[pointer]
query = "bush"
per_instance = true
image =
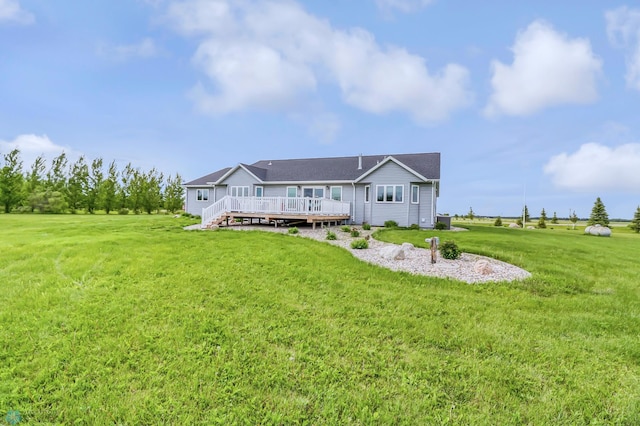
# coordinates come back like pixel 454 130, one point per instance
pixel 449 250
pixel 498 221
pixel 345 228
pixel 293 230
pixel 359 244
pixel 441 226
pixel 391 224
pixel 355 232
pixel 123 211
pixel 414 226
pixel 366 226
pixel 331 235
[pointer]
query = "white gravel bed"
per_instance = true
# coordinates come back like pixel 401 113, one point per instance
pixel 416 261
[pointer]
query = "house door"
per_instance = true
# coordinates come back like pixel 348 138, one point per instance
pixel 316 193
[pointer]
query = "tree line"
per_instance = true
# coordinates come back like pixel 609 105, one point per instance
pixel 84 185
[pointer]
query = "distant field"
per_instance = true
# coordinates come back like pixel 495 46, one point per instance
pixel 130 320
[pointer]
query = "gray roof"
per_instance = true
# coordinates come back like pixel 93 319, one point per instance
pixel 329 169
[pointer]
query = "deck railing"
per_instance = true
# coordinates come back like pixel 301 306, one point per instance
pixel 274 205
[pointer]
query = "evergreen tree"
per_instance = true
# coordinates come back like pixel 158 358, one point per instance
pixel 498 221
pixel 574 219
pixel 542 222
pixel 635 222
pixel 471 214
pixel 598 214
pixel 554 219
pixel 526 214
pixel 174 194
pixel 11 181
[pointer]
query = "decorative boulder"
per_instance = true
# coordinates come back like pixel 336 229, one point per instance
pixel 482 267
pixel 598 230
pixel 392 252
pixel 531 227
pixel 407 246
pixel 514 225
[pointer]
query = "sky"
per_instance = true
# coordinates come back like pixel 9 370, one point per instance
pixel 534 102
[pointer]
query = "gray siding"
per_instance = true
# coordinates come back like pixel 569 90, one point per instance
pixel 240 178
pixel 390 174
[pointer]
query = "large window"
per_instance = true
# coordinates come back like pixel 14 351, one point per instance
pixel 415 194
pixel 259 191
pixel 389 193
pixel 239 191
pixel 336 193
pixel 292 191
pixel 202 194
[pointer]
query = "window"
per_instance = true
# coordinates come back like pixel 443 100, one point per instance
pixel 367 193
pixel 336 193
pixel 292 191
pixel 259 191
pixel 389 193
pixel 239 191
pixel 415 194
pixel 202 194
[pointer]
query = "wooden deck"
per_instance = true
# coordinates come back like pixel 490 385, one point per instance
pixel 276 209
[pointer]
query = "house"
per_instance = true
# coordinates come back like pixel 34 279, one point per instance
pixel 359 189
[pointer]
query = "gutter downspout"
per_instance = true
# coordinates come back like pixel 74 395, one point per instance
pixel 353 203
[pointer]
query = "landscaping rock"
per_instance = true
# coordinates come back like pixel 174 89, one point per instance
pixel 482 267
pixel 407 246
pixel 598 230
pixel 514 225
pixel 392 253
pixel 531 227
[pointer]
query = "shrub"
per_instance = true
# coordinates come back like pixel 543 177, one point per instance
pixel 359 244
pixel 293 230
pixel 331 235
pixel 391 224
pixel 498 221
pixel 345 228
pixel 449 250
pixel 123 211
pixel 355 232
pixel 414 226
pixel 441 226
pixel 366 226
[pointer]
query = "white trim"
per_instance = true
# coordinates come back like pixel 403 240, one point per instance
pixel 367 194
pixel 385 161
pixel 255 191
pixel 331 192
pixel 240 191
pixel 233 170
pixel 295 188
pixel 417 188
pixel 200 195
pixel 385 194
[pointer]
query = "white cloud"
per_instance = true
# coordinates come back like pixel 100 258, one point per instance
pixel 10 11
pixel 623 29
pixel 597 167
pixel 270 55
pixel 548 69
pixel 405 6
pixel 146 48
pixel 31 146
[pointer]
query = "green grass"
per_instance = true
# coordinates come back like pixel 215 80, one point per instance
pixel 130 320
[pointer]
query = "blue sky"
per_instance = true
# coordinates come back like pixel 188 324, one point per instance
pixel 537 99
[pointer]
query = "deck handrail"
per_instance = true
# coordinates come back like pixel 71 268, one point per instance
pixel 274 205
